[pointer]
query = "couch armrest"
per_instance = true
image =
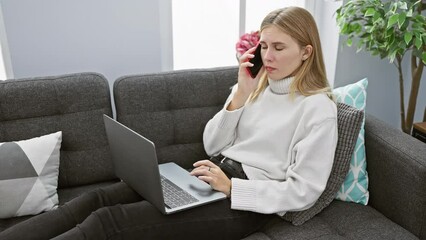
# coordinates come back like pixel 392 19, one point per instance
pixel 396 164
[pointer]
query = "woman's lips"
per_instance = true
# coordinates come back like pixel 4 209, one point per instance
pixel 269 69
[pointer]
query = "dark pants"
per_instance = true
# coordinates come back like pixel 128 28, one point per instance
pixel 117 212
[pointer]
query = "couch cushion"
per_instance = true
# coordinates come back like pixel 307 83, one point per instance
pixel 73 104
pixel 356 221
pixel 349 120
pixel 355 186
pixel 172 109
pixel 29 175
pixel 341 220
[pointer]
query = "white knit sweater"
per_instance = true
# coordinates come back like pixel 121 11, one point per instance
pixel 286 147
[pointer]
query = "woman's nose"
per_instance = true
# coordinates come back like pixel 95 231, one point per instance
pixel 267 56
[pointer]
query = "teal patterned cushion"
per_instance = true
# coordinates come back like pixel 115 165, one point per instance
pixel 29 175
pixel 355 186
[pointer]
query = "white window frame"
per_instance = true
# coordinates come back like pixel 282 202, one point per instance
pixel 6 71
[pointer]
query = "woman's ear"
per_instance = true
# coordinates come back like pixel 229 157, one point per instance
pixel 307 51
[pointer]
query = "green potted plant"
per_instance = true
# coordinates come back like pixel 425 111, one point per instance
pixel 389 29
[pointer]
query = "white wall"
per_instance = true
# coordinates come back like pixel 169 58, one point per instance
pixel 114 38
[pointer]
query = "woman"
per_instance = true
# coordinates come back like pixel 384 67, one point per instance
pixel 281 126
pixel 277 133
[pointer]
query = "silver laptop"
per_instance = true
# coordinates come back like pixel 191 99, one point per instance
pixel 168 187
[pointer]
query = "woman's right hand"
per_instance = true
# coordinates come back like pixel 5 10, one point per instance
pixel 246 84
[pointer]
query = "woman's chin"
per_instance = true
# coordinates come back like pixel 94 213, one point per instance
pixel 276 77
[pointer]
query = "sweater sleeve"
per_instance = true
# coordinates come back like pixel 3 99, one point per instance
pixel 306 177
pixel 220 131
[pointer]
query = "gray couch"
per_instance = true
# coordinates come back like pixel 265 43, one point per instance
pixel 171 109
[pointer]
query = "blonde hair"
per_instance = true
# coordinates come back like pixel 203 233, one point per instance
pixel 300 25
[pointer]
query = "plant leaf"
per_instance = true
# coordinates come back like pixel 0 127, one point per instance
pixel 377 15
pixel 345 28
pixel 359 46
pixel 401 19
pixel 392 56
pixel 349 42
pixel 357 28
pixel 424 58
pixel 410 13
pixel 392 20
pixel 370 12
pixel 418 43
pixel 407 37
pixel 403 6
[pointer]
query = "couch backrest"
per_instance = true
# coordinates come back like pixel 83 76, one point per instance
pixel 73 104
pixel 172 109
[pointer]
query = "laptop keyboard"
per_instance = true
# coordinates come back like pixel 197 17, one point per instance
pixel 175 196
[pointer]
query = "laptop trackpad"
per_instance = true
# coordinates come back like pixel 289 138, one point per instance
pixel 196 187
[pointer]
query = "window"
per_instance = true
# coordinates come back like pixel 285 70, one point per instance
pixel 205 32
pixel 256 10
pixel 5 66
pixel 2 68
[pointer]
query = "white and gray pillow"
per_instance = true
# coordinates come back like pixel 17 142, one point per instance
pixel 29 175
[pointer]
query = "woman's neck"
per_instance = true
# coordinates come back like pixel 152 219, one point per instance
pixel 281 86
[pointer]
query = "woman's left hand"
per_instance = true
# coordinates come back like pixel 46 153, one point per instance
pixel 213 175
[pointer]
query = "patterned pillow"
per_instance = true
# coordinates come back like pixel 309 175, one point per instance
pixel 355 186
pixel 349 120
pixel 29 175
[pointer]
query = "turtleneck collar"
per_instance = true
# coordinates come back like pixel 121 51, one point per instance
pixel 280 86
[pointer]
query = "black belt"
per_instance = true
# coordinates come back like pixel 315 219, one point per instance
pixel 231 168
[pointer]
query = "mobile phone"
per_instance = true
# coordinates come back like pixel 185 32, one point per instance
pixel 257 62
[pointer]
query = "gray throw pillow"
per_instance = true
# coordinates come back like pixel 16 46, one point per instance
pixel 29 175
pixel 349 120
